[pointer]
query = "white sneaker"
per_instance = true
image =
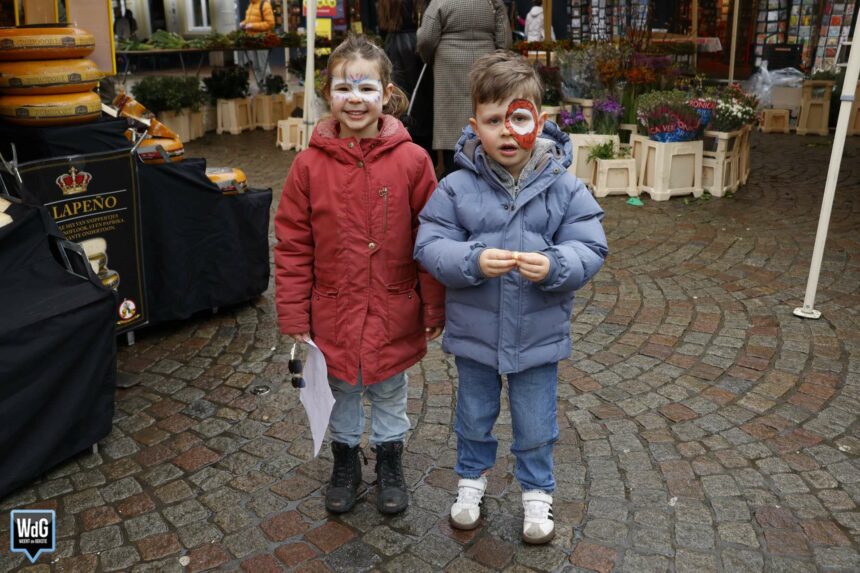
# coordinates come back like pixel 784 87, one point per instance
pixel 538 526
pixel 466 511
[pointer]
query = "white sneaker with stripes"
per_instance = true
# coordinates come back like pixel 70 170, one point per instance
pixel 538 525
pixel 466 511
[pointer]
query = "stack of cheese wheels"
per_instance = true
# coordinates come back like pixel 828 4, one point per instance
pixel 230 180
pixel 44 79
pixel 96 251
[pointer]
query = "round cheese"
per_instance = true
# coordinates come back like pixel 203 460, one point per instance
pixel 50 109
pixel 148 149
pixel 48 43
pixel 48 77
pixel 230 180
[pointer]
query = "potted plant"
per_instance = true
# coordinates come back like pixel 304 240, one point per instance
pixel 269 107
pixel 607 116
pixel 228 87
pixel 576 126
pixel 669 162
pixel 172 99
pixel 614 170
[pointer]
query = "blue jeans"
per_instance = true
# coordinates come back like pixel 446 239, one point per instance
pixel 532 396
pixel 388 420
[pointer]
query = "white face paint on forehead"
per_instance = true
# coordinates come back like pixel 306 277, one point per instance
pixel 357 86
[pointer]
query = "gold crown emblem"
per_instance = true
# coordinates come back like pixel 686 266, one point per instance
pixel 74 182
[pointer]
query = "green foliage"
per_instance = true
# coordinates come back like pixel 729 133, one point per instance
pixel 605 150
pixel 169 93
pixel 230 82
pixel 167 40
pixel 550 77
pixel 274 84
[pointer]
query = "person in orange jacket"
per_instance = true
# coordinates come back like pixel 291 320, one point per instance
pixel 259 18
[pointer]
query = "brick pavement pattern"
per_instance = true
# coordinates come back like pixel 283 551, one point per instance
pixel 704 428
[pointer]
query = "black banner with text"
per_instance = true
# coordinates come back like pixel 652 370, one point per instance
pixel 94 199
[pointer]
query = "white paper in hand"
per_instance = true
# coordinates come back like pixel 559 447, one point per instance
pixel 316 396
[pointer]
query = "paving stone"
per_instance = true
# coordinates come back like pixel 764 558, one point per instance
pixel 692 562
pixel 355 556
pixel 145 526
pixel 100 539
pixel 740 533
pixel 119 558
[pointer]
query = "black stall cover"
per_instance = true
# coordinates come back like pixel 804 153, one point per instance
pixel 57 353
pixel 202 249
pixel 34 143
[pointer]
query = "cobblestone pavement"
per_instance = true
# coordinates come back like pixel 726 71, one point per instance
pixel 704 428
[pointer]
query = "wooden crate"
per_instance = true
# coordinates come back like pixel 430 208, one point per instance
pixel 581 166
pixel 744 163
pixel 671 169
pixel 268 110
pixel 815 107
pixel 721 156
pixel 615 177
pixel 179 123
pixel 776 121
pixel 197 124
pixel 234 115
pixel 291 133
pixel 210 118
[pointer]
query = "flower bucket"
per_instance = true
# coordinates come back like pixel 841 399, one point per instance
pixel 705 108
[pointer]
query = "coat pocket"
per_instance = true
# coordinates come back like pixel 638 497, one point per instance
pixel 324 313
pixel 404 310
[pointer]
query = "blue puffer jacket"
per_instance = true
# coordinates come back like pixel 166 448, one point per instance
pixel 509 322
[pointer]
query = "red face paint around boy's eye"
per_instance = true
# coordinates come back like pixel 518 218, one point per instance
pixel 523 132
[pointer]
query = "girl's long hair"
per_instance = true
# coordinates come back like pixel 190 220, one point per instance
pixel 360 47
pixel 390 14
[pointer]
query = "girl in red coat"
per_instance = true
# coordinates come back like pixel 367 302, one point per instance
pixel 344 271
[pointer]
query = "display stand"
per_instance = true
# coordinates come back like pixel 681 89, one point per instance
pixel 201 249
pixel 57 350
pixel 815 107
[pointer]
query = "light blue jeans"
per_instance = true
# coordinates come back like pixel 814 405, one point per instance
pixel 388 419
pixel 532 396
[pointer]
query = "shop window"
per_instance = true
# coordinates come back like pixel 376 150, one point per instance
pixel 198 16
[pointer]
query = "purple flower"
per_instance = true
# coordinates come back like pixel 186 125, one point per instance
pixel 609 106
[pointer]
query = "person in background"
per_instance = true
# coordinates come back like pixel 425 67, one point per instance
pixel 259 18
pixel 398 21
pixel 344 272
pixel 512 235
pixel 452 35
pixel 534 26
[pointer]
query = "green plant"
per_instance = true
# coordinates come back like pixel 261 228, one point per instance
pixel 168 93
pixel 167 40
pixel 230 82
pixel 274 85
pixel 605 150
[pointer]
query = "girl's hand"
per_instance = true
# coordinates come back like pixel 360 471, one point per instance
pixel 533 266
pixel 496 262
pixel 432 332
pixel 301 336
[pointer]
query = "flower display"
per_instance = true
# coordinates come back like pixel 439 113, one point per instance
pixel 607 115
pixel 572 122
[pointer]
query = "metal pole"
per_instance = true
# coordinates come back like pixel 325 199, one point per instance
pixel 547 23
pixel 307 112
pixel 695 32
pixel 734 42
pixel 849 89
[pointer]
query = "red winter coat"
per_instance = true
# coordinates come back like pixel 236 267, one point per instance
pixel 344 270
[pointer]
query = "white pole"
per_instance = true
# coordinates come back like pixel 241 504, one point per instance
pixel 734 42
pixel 849 89
pixel 307 112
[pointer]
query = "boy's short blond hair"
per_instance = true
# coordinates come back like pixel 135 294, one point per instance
pixel 501 75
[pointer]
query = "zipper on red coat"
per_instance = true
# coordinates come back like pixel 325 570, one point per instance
pixel 384 194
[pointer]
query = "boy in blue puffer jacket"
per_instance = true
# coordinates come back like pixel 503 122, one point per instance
pixel 512 236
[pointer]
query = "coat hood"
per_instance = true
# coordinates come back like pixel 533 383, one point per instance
pixel 326 137
pixel 536 11
pixel 469 154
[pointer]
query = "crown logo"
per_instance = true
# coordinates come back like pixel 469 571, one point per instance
pixel 74 182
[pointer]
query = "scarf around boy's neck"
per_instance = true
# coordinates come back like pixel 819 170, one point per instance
pixel 514 184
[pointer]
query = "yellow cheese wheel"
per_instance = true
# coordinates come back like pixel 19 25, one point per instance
pixel 49 77
pixel 230 180
pixel 48 43
pixel 148 149
pixel 50 109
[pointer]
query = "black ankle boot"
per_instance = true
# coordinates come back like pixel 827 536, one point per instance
pixel 393 496
pixel 345 478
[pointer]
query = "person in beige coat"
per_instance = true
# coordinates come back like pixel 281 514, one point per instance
pixel 453 34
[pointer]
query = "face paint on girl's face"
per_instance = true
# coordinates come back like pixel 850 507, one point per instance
pixel 522 121
pixel 357 87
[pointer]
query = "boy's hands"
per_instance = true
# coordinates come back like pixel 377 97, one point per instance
pixel 432 332
pixel 533 266
pixel 496 262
